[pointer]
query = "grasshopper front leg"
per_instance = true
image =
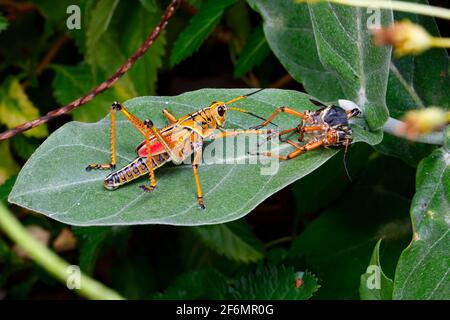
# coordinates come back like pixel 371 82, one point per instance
pixel 198 148
pixel 112 164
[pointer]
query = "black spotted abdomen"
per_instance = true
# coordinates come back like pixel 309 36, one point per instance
pixel 135 169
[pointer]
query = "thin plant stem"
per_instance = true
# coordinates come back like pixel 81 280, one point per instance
pixel 440 42
pixel 422 9
pixel 168 13
pixel 55 265
pixel 392 126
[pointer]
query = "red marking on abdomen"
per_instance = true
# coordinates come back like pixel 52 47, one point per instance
pixel 156 147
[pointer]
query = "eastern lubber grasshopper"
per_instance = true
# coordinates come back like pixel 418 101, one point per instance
pixel 175 142
pixel 327 127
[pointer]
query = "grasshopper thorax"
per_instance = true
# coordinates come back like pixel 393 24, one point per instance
pixel 339 132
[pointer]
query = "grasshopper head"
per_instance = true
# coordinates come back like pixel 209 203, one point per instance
pixel 218 111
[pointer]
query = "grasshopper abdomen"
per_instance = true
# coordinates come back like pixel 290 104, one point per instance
pixel 135 169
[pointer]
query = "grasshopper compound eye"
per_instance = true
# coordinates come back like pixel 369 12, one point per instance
pixel 221 111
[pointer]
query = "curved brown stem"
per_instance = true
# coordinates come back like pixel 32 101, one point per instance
pixel 168 13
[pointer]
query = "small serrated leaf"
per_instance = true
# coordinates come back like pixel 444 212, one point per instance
pixel 275 283
pixel 199 284
pixel 234 240
pixel 200 26
pixel 254 52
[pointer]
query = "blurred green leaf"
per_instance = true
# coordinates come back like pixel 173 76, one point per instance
pixel 54 180
pixel 338 244
pixel 275 283
pixel 6 187
pixel 194 254
pixel 200 26
pixel 423 268
pixel 254 52
pixel 22 46
pixel 100 19
pixel 90 242
pixel 151 5
pixel 3 23
pixel 195 3
pixel 374 283
pixel 56 11
pixel 328 48
pixel 199 284
pixel 234 240
pixel 238 20
pixel 72 82
pixel 324 185
pixel 138 25
pixel 133 276
pixel 8 167
pixel 16 108
pixel 125 34
pixel 24 146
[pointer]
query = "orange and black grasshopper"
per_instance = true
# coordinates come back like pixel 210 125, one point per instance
pixel 327 127
pixel 175 142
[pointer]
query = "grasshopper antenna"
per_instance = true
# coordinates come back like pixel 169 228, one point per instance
pixel 345 163
pixel 245 111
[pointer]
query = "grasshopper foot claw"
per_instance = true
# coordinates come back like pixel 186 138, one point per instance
pixel 147 189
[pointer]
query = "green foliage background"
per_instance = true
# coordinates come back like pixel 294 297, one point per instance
pixel 322 228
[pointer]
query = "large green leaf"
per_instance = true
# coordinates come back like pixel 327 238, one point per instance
pixel 328 49
pixel 423 268
pixel 55 183
pixel 416 82
pixel 375 285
